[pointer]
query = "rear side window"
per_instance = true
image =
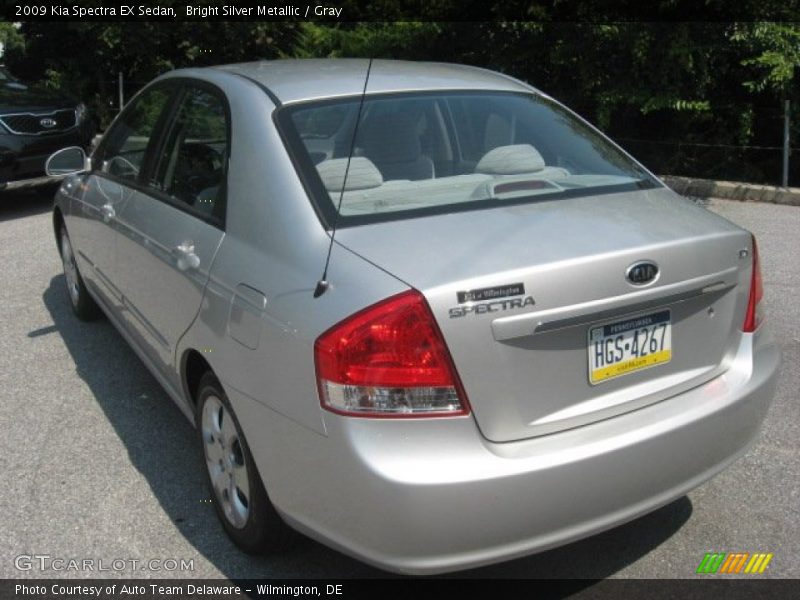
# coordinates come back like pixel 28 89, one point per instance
pixel 192 164
pixel 123 153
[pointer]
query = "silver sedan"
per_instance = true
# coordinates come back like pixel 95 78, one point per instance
pixel 422 313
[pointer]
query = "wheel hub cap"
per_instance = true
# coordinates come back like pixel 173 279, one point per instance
pixel 225 462
pixel 70 270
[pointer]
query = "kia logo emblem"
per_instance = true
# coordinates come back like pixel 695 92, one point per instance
pixel 48 123
pixel 642 272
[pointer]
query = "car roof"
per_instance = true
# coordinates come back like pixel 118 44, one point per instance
pixel 298 80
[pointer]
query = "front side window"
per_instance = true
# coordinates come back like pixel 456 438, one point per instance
pixel 123 151
pixel 191 167
pixel 429 153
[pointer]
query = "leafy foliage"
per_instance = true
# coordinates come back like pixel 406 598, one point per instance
pixel 657 87
pixel 774 50
pixel 85 58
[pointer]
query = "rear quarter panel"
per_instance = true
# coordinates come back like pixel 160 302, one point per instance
pixel 274 248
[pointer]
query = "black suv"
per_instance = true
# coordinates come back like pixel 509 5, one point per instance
pixel 33 125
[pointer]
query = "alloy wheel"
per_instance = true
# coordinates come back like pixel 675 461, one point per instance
pixel 225 462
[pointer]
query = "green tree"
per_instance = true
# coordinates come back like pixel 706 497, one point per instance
pixel 85 58
pixel 10 37
pixel 773 50
pixel 674 85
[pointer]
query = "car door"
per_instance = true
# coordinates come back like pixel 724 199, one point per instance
pixel 116 168
pixel 170 230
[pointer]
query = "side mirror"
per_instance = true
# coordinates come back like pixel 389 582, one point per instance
pixel 67 161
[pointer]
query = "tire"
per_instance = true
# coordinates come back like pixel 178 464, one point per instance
pixel 83 305
pixel 237 491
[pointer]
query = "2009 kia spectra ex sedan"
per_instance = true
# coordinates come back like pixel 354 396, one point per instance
pixel 420 312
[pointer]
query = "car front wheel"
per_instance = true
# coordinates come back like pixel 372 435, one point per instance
pixel 237 492
pixel 83 305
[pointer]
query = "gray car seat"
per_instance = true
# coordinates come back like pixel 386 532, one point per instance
pixel 391 142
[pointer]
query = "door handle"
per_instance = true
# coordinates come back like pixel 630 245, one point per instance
pixel 108 212
pixel 185 256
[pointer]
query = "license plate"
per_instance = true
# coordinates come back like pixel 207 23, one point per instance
pixel 624 347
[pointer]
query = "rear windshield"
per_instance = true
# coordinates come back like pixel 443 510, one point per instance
pixel 433 153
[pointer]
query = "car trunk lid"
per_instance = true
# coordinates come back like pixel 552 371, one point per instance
pixel 519 291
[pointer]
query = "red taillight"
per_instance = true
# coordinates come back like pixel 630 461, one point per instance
pixel 753 316
pixel 389 360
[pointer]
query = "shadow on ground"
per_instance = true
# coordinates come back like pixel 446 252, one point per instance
pixel 162 446
pixel 26 203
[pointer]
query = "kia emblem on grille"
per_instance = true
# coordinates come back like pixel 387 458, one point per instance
pixel 642 272
pixel 48 123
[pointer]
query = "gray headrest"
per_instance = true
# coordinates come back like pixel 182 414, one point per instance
pixel 511 160
pixel 363 174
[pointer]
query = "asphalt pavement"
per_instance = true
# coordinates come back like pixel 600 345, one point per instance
pixel 99 465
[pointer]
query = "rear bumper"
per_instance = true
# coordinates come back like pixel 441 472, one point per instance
pixel 431 496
